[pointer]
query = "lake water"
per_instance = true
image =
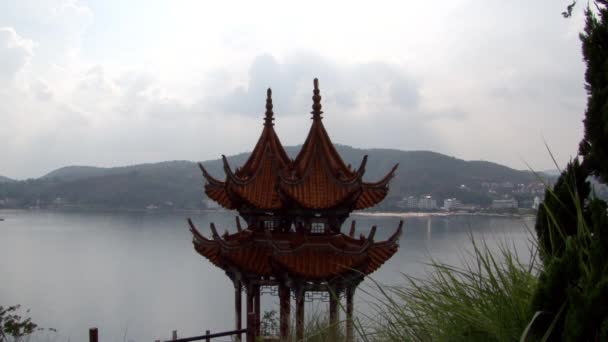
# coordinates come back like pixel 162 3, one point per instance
pixel 136 276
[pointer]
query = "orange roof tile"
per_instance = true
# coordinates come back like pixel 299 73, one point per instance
pixel 255 182
pixel 318 178
pixel 312 257
pixel 317 188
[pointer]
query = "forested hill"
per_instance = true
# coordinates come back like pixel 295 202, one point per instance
pixel 5 179
pixel 178 184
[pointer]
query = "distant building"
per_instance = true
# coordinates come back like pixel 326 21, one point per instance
pixel 59 201
pixel 427 203
pixel 505 204
pixel 415 203
pixel 451 204
pixel 8 202
pixel 536 203
pixel 409 202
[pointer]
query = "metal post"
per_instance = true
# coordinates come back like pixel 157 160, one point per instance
pixel 250 315
pixel 250 332
pixel 257 309
pixel 93 335
pixel 285 308
pixel 334 315
pixel 350 293
pixel 300 314
pixel 208 338
pixel 237 308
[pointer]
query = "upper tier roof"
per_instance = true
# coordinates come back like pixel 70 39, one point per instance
pixel 318 178
pixel 254 182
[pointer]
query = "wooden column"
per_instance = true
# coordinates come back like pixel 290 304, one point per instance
pixel 350 293
pixel 250 315
pixel 334 314
pixel 299 314
pixel 237 308
pixel 285 311
pixel 257 305
pixel 93 335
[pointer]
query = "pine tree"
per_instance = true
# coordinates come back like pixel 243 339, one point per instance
pixel 571 300
pixel 594 146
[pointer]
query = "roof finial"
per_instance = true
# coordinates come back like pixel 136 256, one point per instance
pixel 316 102
pixel 268 120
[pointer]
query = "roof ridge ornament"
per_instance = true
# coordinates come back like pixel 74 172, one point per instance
pixel 268 120
pixel 316 102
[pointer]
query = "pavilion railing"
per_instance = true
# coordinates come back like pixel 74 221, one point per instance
pixel 208 336
pixel 93 335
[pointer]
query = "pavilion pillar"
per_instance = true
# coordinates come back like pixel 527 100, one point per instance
pixel 250 315
pixel 285 311
pixel 237 308
pixel 256 306
pixel 334 314
pixel 299 314
pixel 350 293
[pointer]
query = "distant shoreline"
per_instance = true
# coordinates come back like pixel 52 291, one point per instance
pixel 364 213
pixel 116 210
pixel 440 214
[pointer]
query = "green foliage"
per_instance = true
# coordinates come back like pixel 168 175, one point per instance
pixel 571 301
pixel 568 12
pixel 485 300
pixel 572 294
pixel 269 324
pixel 594 146
pixel 13 326
pixel 318 329
pixel 557 217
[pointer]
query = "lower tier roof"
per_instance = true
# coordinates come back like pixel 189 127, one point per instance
pixel 298 255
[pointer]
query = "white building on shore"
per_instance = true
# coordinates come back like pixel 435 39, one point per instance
pixel 422 203
pixel 427 203
pixel 451 204
pixel 505 204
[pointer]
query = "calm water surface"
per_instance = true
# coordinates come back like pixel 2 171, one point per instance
pixel 136 276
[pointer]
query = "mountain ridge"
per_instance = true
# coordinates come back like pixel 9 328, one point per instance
pixel 178 183
pixel 72 172
pixel 4 179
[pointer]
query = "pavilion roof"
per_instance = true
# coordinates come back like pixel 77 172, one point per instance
pixel 312 257
pixel 317 178
pixel 255 180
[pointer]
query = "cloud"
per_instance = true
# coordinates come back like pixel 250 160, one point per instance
pixel 15 53
pixel 57 26
pixel 347 87
pixel 41 90
pixel 359 100
pixel 103 84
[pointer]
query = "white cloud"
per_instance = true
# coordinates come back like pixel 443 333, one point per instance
pixel 346 87
pixel 112 82
pixel 15 53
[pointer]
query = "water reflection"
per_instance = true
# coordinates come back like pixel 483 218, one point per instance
pixel 137 277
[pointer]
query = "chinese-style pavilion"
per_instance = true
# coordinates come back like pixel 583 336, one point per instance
pixel 294 210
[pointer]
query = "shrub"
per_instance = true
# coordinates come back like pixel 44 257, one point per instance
pixel 487 299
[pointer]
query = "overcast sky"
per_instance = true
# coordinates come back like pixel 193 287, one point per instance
pixel 110 82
